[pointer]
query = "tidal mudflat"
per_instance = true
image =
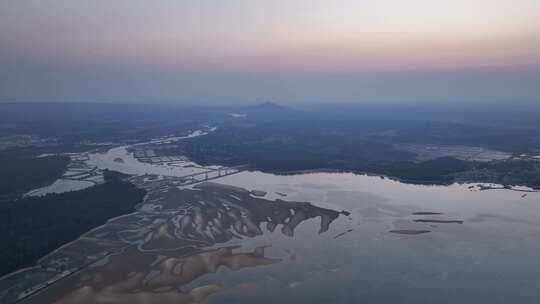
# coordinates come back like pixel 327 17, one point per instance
pixel 163 250
pixel 337 238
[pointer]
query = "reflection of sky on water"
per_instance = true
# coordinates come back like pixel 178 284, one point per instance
pixel 130 165
pixel 490 258
pixel 60 186
pixel 320 187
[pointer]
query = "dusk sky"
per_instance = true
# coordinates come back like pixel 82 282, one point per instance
pixel 235 51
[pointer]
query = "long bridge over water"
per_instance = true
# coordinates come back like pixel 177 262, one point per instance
pixel 152 182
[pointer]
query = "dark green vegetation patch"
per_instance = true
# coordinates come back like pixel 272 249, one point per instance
pixel 19 175
pixel 33 227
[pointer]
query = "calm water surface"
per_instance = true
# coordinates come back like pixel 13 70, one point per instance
pixel 490 258
pixel 395 243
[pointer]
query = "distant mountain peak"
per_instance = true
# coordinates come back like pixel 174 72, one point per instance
pixel 268 105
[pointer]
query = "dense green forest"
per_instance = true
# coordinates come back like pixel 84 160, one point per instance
pixel 21 174
pixel 288 147
pixel 32 227
pixel 378 159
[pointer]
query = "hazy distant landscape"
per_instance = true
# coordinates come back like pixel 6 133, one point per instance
pixel 97 165
pixel 217 152
pixel 438 148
